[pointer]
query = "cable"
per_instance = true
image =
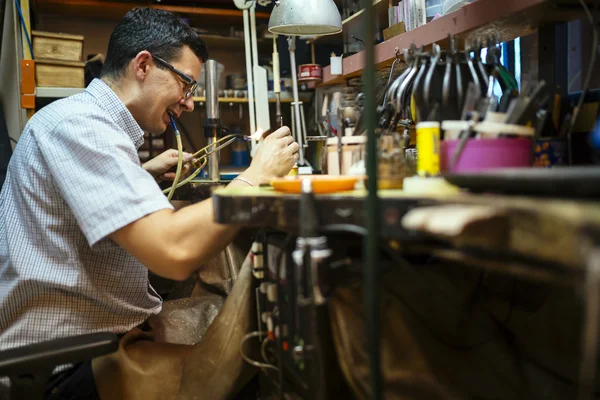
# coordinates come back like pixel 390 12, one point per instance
pixel 179 158
pixel 263 349
pixel 588 76
pixel 189 178
pixel 24 28
pixel 247 359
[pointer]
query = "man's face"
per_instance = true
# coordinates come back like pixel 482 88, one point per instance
pixel 165 90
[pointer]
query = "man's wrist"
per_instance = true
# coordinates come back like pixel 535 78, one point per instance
pixel 252 175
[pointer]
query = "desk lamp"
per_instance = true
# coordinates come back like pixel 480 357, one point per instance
pixel 303 18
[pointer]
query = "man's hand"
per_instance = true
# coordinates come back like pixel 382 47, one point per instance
pixel 275 156
pixel 159 165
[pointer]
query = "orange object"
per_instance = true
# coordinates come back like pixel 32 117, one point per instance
pixel 320 183
pixel 28 84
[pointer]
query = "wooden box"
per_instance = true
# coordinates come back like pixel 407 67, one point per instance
pixel 53 73
pixel 393 31
pixel 57 46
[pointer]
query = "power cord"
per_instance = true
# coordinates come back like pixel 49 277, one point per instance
pixel 248 359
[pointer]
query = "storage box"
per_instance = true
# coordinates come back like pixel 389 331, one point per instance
pixel 53 73
pixel 57 46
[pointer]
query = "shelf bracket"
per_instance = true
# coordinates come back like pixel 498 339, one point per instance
pixel 28 84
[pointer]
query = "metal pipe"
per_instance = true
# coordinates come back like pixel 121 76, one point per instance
pixel 371 268
pixel 212 92
pixel 249 76
pixel 292 47
pixel 212 124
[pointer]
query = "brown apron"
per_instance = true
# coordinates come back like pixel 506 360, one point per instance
pixel 180 358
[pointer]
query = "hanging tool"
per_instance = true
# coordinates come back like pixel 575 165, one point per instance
pixel 392 69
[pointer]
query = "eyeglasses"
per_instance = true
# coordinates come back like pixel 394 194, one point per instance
pixel 190 83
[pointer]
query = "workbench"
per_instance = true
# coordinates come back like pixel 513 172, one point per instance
pixel 493 304
pixel 537 231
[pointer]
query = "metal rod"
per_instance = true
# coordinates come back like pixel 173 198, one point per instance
pixel 304 132
pixel 292 45
pixel 371 268
pixel 249 76
pixel 276 84
pixel 212 125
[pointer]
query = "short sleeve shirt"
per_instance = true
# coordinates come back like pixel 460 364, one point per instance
pixel 74 178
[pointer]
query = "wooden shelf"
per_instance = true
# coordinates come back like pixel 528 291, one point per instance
pixel 285 98
pixel 352 24
pixel 115 10
pixel 508 19
pixel 60 92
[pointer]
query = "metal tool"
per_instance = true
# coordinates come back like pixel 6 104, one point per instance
pixel 389 81
pixel 277 84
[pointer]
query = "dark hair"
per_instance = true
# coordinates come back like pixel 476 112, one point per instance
pixel 160 32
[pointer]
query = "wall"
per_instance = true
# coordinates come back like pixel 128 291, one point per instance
pixel 97 34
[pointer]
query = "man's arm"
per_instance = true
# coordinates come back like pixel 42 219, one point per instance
pixel 174 244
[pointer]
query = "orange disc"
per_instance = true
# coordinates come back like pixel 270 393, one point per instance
pixel 320 183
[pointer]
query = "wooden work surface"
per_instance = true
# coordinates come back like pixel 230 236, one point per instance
pixel 550 231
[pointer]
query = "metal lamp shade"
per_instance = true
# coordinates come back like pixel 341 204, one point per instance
pixel 305 18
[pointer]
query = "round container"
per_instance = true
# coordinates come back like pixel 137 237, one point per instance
pixel 428 147
pixel 452 129
pixel 310 72
pixel 492 116
pixel 239 154
pixel 236 81
pixel 486 154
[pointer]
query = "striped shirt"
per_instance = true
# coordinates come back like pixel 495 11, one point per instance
pixel 74 178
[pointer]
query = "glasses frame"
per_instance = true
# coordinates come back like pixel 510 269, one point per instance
pixel 188 80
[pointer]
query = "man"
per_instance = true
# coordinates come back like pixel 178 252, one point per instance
pixel 81 221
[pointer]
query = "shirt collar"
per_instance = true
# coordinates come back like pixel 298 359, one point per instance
pixel 111 103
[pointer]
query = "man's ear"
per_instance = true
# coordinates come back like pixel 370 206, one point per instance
pixel 142 64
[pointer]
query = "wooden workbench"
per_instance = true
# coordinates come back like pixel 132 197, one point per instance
pixel 551 233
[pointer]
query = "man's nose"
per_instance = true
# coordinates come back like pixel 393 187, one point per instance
pixel 187 104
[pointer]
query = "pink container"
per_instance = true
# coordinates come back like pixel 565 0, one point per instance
pixel 486 154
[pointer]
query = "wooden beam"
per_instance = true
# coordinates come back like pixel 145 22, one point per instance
pixel 116 10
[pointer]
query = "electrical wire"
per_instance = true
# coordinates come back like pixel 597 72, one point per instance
pixel 179 158
pixel 24 28
pixel 249 360
pixel 588 76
